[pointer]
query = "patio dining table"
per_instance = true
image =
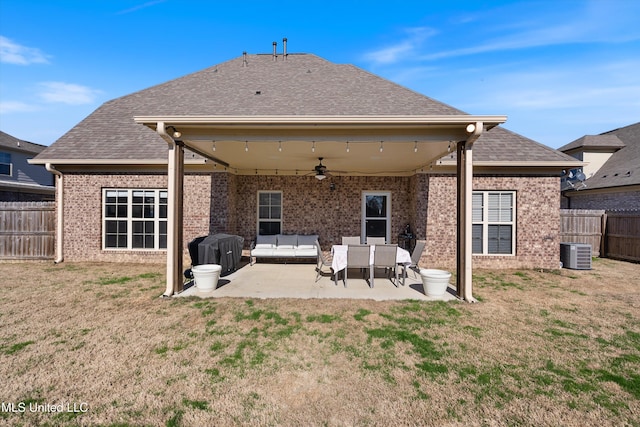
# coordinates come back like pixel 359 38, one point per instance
pixel 339 252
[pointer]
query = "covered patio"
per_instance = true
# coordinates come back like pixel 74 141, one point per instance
pixel 291 145
pixel 272 280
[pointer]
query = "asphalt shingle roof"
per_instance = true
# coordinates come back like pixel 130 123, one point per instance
pixel 623 167
pixel 303 84
pixel 13 143
pixel 593 141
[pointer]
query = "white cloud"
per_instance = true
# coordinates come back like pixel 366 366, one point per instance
pixel 7 107
pixel 140 6
pixel 520 26
pixel 403 49
pixel 13 53
pixel 67 93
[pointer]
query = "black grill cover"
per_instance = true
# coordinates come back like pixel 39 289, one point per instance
pixel 222 249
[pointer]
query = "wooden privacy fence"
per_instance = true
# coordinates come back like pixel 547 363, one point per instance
pixel 582 226
pixel 623 235
pixel 612 234
pixel 27 230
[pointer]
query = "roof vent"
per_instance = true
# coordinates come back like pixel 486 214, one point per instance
pixel 284 48
pixel 244 58
pixel 275 55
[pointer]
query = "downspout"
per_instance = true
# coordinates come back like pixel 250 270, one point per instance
pixel 465 212
pixel 60 211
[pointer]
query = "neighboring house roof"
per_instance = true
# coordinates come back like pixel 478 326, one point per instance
pixel 623 167
pixel 303 84
pixel 15 144
pixel 607 142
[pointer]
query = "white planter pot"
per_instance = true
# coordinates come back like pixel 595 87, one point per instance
pixel 206 276
pixel 435 281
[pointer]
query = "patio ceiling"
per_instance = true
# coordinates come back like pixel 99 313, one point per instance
pixel 291 145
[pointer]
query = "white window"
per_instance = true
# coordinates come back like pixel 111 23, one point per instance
pixel 134 219
pixel 269 213
pixel 376 214
pixel 494 226
pixel 5 164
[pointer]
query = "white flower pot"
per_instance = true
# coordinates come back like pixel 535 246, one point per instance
pixel 435 281
pixel 206 276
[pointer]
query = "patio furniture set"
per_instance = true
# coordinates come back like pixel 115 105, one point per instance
pixel 352 254
pixel 375 254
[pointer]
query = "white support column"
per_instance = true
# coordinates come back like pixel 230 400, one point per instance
pixel 175 179
pixel 464 278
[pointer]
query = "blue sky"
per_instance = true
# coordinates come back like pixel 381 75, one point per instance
pixel 559 69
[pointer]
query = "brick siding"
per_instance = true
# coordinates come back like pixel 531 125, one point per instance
pixel 83 214
pixel 226 203
pixel 618 200
pixel 312 207
pixel 537 229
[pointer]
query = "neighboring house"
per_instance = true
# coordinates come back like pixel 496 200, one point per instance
pixel 610 178
pixel 20 181
pixel 253 130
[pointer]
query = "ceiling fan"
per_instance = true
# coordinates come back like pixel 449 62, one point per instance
pixel 321 170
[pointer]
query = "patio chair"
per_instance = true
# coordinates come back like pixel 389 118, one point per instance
pixel 385 257
pixel 376 241
pixel 415 260
pixel 324 262
pixel 358 256
pixel 351 240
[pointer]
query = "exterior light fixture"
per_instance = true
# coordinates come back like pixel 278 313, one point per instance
pixel 213 148
pixel 381 148
pixel 279 146
pixel 174 132
pixel 313 147
pixel 246 146
pixel 415 147
pixel 347 146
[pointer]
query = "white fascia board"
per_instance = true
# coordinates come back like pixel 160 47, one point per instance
pixel 443 120
pixel 111 161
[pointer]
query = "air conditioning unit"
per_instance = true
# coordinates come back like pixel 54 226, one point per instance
pixel 576 256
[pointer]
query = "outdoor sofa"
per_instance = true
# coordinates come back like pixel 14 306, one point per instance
pixel 284 246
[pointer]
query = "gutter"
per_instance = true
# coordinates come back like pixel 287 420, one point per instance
pixel 59 211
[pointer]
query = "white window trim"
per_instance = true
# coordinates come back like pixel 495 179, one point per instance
pixel 485 223
pixel 363 210
pixel 157 220
pixel 258 219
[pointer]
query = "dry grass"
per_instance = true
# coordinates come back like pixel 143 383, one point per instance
pixel 540 349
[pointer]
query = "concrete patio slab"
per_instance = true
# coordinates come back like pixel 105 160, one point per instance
pixel 274 280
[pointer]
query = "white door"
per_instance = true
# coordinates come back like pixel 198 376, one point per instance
pixel 376 215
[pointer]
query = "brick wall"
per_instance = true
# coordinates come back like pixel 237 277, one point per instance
pixel 311 207
pixel 537 230
pixel 225 203
pixel 619 200
pixel 83 214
